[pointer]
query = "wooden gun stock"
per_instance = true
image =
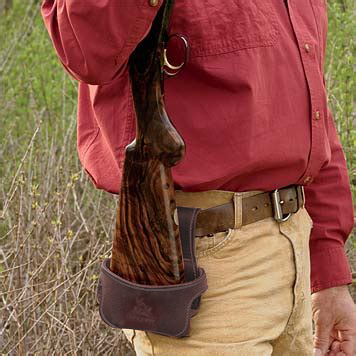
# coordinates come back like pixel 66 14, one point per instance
pixel 146 247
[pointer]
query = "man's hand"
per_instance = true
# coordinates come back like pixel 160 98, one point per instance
pixel 334 315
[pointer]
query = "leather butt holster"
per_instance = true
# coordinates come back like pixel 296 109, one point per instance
pixel 163 309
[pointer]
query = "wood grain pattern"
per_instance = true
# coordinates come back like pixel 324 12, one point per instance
pixel 146 246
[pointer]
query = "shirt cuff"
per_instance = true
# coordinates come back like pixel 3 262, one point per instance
pixel 329 268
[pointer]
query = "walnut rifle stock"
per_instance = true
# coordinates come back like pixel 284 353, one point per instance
pixel 146 246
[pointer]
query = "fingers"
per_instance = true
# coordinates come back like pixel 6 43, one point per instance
pixel 323 329
pixel 335 349
pixel 347 343
pixel 335 346
pixel 335 322
pixel 344 346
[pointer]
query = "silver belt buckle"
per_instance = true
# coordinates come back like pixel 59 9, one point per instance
pixel 277 208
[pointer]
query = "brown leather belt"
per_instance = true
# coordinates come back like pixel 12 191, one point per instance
pixel 278 203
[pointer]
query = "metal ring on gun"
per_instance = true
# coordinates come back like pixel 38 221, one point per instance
pixel 169 65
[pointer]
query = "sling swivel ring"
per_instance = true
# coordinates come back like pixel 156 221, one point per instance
pixel 178 68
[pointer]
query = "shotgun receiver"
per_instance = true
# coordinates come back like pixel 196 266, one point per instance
pixel 146 247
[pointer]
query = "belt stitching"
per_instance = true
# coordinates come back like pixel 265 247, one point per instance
pixel 269 195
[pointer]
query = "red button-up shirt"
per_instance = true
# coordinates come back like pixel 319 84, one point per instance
pixel 251 103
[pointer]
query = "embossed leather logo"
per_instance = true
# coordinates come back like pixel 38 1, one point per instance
pixel 141 312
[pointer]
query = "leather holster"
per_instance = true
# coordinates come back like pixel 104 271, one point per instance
pixel 165 309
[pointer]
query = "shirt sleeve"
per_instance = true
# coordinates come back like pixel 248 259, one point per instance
pixel 328 200
pixel 94 38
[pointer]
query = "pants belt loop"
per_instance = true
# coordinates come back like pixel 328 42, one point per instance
pixel 238 209
pixel 303 196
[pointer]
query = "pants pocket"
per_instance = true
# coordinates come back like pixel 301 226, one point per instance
pixel 298 330
pixel 308 217
pixel 140 341
pixel 208 245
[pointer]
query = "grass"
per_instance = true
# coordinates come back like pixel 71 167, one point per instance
pixel 55 227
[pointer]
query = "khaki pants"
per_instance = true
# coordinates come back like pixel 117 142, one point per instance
pixel 258 301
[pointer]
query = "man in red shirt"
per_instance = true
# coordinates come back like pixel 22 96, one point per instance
pixel 251 105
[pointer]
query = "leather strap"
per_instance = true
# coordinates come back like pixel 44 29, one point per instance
pixel 254 208
pixel 165 310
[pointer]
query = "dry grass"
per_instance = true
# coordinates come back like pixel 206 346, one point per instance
pixel 55 228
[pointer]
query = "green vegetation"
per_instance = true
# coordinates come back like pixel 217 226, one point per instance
pixel 340 78
pixel 54 225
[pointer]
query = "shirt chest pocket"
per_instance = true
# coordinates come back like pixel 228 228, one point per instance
pixel 216 26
